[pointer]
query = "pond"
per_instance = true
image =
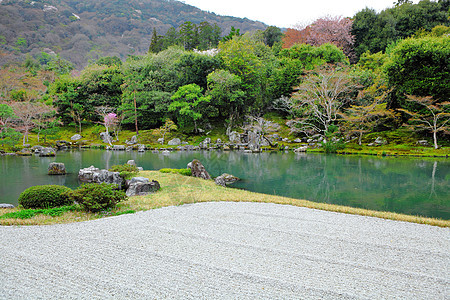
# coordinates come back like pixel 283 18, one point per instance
pixel 405 185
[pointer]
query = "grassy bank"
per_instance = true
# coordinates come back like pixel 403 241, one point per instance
pixel 178 190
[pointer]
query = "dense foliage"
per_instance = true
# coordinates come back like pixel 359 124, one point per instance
pixel 356 74
pixel 45 196
pixel 94 197
pixel 374 31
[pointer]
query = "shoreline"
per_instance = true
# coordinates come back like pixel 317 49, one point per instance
pixel 178 190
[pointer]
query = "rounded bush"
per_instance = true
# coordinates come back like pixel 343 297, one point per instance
pixel 45 196
pixel 96 197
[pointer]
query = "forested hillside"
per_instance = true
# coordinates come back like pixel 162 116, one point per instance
pixel 85 30
pixel 328 79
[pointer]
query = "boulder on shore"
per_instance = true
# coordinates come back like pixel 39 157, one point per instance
pixel 55 168
pixel 76 137
pixel 225 179
pixel 6 205
pixel 132 141
pixel 95 175
pixel 47 151
pixel 24 152
pixel 174 142
pixel 198 170
pixel 140 186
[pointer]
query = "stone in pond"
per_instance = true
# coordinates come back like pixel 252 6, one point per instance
pixel 56 168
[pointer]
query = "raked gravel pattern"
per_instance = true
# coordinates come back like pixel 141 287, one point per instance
pixel 226 251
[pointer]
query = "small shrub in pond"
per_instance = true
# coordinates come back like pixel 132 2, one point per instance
pixel 95 197
pixel 185 172
pixel 126 171
pixel 45 196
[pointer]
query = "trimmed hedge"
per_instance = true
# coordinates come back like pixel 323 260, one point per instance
pixel 185 172
pixel 45 196
pixel 94 197
pixel 126 171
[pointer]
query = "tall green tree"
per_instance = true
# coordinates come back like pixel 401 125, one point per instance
pixel 226 94
pixel 190 105
pixel 420 67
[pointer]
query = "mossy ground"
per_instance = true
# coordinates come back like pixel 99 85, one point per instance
pixel 178 190
pixel 400 142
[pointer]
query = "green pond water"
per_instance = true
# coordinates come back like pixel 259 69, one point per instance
pixel 405 185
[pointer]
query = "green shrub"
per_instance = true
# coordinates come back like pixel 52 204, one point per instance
pixel 95 197
pixel 45 196
pixel 185 172
pixel 126 171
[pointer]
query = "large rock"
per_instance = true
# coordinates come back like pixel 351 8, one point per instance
pixel 141 148
pixel 198 170
pixel 423 143
pixel 119 148
pixel 174 142
pixel 140 186
pixel 161 141
pixel 55 168
pixel 132 141
pixel 301 149
pixel 62 145
pixel 76 137
pixel 254 141
pixel 131 162
pixel 37 149
pixel 47 151
pixel 205 143
pixel 24 152
pixel 380 141
pixel 6 205
pixel 234 137
pixel 225 179
pixel 95 175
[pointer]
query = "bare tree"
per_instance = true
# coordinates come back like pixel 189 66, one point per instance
pixel 320 97
pixel 44 114
pixel 435 117
pixel 361 119
pixel 25 112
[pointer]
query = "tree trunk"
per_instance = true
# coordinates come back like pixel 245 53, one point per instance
pixel 135 114
pixel 360 137
pixel 435 139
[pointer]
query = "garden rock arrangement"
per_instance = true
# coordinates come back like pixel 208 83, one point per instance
pixel 95 175
pixel 225 179
pixel 198 170
pixel 55 168
pixel 6 206
pixel 76 137
pixel 45 152
pixel 140 186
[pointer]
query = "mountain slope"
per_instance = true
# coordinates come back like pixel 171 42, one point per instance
pixel 83 30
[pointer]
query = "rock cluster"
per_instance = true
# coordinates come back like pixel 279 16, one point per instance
pixel 95 175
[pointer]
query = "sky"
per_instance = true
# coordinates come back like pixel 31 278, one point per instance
pixel 286 13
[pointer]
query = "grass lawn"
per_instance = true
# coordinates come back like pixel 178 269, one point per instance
pixel 178 190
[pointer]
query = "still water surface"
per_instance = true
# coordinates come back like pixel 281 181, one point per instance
pixel 405 185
